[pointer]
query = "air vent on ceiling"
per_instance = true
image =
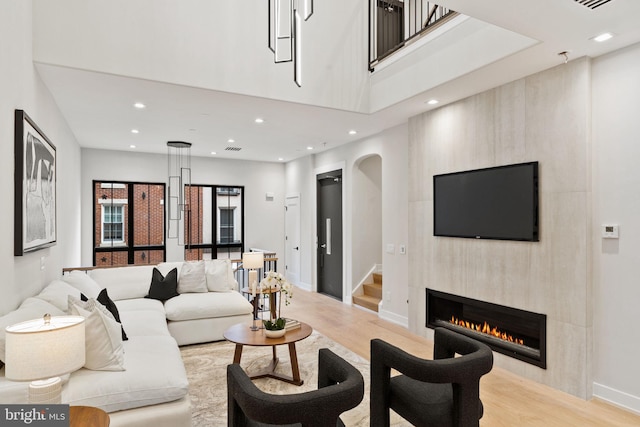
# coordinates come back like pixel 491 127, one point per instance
pixel 232 149
pixel 592 4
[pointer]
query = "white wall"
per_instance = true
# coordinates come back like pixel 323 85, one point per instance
pixel 209 44
pixel 391 147
pixel 264 219
pixel 21 88
pixel 616 187
pixel 299 180
pixel 366 222
pixel 395 224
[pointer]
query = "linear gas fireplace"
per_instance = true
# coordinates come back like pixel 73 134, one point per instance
pixel 517 333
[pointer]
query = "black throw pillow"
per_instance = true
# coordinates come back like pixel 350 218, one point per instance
pixel 163 287
pixel 103 298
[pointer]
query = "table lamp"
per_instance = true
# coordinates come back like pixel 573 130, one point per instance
pixel 41 350
pixel 253 261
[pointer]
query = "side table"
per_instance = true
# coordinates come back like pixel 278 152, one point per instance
pixel 87 416
pixel 273 295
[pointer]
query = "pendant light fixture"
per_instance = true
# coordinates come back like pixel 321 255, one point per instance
pixel 179 171
pixel 285 32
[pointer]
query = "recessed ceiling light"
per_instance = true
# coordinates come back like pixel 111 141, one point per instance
pixel 309 148
pixel 280 159
pixel 602 37
pixel 132 146
pixel 352 132
pixel 432 101
pixel 139 105
pixel 135 131
pixel 259 120
pixel 231 140
pixel 213 153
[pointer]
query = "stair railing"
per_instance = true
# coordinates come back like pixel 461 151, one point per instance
pixel 394 24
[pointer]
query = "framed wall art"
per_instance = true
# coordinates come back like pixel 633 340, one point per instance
pixel 35 187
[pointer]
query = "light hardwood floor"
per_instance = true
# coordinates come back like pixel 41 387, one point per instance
pixel 509 400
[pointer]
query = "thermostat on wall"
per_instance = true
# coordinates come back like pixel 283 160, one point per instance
pixel 610 231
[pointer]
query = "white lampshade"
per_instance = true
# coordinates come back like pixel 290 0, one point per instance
pixel 44 348
pixel 252 260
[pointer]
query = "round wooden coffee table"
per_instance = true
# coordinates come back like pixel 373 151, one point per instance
pixel 87 416
pixel 242 335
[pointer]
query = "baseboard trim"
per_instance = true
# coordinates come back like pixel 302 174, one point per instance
pixel 394 318
pixel 305 286
pixel 617 397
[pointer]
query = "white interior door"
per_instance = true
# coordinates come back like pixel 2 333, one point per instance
pixel 292 239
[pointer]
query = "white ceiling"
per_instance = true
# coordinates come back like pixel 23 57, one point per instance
pixel 90 101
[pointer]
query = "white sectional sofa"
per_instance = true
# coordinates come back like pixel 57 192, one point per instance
pixel 150 387
pixel 192 317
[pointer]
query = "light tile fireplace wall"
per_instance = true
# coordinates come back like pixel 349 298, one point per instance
pixel 543 117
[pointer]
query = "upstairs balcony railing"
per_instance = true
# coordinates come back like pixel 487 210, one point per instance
pixel 394 24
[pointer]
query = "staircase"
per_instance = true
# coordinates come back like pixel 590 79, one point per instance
pixel 372 294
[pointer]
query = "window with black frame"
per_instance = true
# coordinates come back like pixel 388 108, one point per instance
pixel 215 227
pixel 129 223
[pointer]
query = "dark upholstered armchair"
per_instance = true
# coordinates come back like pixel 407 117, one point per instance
pixel 340 388
pixel 440 392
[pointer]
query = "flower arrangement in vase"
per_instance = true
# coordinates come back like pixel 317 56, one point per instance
pixel 272 284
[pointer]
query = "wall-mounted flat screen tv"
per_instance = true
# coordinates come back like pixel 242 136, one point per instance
pixel 494 203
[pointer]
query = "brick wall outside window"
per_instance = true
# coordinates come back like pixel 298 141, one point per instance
pixel 147 203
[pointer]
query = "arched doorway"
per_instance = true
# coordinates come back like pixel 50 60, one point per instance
pixel 366 223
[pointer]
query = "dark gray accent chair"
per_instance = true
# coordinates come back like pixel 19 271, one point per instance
pixel 444 392
pixel 340 388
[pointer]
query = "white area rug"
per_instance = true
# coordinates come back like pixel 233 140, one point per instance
pixel 206 366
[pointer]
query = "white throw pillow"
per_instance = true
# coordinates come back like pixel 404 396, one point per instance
pixel 57 293
pixel 81 281
pixel 219 275
pixel 103 336
pixel 166 267
pixel 192 278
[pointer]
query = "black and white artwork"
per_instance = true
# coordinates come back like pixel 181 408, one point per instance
pixel 35 187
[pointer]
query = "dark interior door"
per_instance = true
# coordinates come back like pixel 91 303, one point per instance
pixel 329 219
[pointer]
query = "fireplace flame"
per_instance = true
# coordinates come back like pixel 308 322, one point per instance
pixel 485 328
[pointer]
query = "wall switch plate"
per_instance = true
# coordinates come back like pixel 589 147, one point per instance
pixel 391 248
pixel 402 249
pixel 610 231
